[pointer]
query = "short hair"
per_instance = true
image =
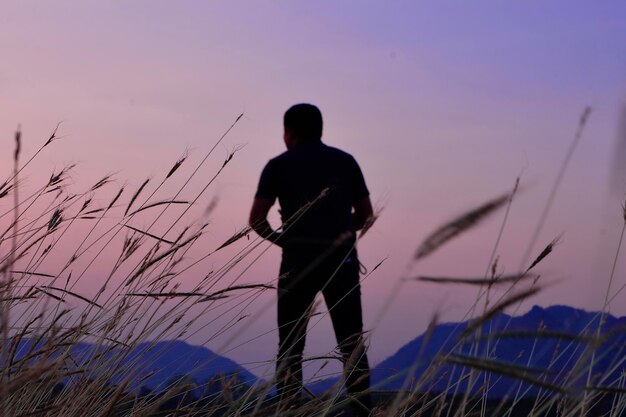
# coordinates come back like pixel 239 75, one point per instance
pixel 304 120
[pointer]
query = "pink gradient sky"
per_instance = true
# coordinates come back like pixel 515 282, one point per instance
pixel 443 105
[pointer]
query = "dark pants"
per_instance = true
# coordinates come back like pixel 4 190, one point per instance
pixel 304 273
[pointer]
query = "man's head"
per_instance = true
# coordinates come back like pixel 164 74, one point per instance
pixel 303 122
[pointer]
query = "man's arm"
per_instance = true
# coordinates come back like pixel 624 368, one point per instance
pixel 363 212
pixel 258 219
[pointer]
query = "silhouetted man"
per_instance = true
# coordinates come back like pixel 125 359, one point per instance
pixel 317 187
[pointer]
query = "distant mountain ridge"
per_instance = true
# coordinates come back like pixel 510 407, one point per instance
pixel 154 366
pixel 556 350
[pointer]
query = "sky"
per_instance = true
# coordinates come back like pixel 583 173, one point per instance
pixel 444 104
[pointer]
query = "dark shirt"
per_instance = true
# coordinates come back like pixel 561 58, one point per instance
pixel 298 176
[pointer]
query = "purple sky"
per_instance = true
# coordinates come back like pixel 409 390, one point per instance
pixel 443 104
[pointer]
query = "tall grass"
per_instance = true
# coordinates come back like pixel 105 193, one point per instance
pixel 143 299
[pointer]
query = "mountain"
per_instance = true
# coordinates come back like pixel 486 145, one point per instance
pixel 560 356
pixel 557 356
pixel 152 366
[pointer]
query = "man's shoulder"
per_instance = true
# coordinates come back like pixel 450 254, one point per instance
pixel 339 153
pixel 297 155
pixel 278 158
pixel 342 158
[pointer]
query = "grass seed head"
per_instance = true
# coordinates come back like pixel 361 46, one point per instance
pixel 177 165
pixel 18 144
pixel 134 197
pixel 55 220
pixel 117 196
pixel 459 225
pixel 547 250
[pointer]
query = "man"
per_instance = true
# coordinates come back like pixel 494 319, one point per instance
pixel 317 187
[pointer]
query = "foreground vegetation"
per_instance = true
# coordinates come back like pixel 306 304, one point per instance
pixel 142 299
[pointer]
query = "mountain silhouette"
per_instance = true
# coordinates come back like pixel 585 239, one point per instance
pixel 551 345
pixel 152 366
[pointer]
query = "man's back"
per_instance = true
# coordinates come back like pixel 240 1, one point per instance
pixel 298 176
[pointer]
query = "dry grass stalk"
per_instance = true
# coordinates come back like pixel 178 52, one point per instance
pixel 117 196
pixel 241 287
pixel 58 178
pixel 55 220
pixel 244 232
pixel 39 274
pixel 547 250
pixel 150 262
pixel 73 294
pixel 504 279
pixel 158 203
pixel 459 225
pixel 94 211
pixel 18 144
pixel 5 188
pixel 134 197
pixel 518 372
pixel 177 165
pixel 101 183
pixel 212 206
pixel 582 122
pixel 536 334
pixel 609 390
pixel 160 239
pixel 498 308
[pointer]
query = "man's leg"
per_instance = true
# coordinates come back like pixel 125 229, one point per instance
pixel 294 303
pixel 343 299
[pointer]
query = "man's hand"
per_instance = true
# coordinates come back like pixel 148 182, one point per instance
pixel 258 220
pixel 362 213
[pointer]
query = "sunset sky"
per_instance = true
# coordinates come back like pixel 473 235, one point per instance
pixel 442 103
